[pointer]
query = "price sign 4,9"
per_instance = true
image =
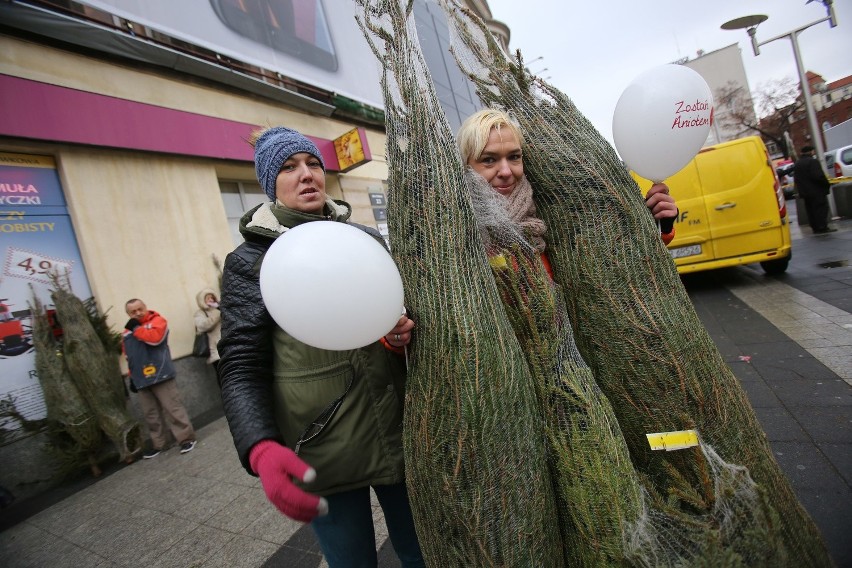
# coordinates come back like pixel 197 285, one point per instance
pixel 34 266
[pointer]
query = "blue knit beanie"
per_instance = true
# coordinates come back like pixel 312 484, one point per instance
pixel 273 148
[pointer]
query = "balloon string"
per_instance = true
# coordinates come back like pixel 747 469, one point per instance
pixel 405 347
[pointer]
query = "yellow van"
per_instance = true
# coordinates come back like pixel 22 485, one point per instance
pixel 732 209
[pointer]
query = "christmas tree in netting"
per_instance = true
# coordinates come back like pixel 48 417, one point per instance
pixel 529 399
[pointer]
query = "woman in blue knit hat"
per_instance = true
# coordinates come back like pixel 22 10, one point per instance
pixel 320 428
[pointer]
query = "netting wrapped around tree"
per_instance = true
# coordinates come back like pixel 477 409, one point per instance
pixel 633 320
pixel 606 516
pixel 470 381
pixel 514 454
pixel 598 493
pixel 65 405
pixel 499 401
pixel 95 372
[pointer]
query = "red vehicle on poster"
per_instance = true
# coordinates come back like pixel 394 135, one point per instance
pixel 15 337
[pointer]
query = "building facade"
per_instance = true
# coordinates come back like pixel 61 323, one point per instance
pixel 124 159
pixel 722 69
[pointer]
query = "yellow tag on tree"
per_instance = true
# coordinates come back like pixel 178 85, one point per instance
pixel 673 440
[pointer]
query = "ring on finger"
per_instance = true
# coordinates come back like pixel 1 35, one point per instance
pixel 397 337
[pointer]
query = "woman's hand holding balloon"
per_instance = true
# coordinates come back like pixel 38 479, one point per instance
pixel 660 203
pixel 400 335
pixel 662 207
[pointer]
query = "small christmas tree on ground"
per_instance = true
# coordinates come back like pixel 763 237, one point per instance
pixel 67 410
pixel 95 369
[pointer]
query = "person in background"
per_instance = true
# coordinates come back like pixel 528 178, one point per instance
pixel 320 428
pixel 152 377
pixel 814 187
pixel 208 320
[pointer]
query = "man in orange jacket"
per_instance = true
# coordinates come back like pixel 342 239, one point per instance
pixel 152 374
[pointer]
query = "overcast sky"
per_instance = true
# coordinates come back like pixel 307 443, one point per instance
pixel 593 49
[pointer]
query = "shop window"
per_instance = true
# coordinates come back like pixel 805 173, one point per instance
pixel 238 197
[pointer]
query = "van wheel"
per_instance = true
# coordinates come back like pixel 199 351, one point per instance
pixel 777 266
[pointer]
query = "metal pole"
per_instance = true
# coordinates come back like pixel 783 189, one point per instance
pixel 751 23
pixel 816 133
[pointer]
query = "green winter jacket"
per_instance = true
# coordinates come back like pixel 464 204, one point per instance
pixel 362 444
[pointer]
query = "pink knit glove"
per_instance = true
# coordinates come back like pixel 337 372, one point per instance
pixel 275 464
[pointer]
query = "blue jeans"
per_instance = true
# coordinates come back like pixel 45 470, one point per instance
pixel 346 534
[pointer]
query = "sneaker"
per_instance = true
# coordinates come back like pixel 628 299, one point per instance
pixel 150 454
pixel 187 447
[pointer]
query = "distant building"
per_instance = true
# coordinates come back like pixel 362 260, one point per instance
pixel 825 95
pixel 832 103
pixel 722 69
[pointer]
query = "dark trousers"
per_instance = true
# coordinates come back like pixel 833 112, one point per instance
pixel 346 535
pixel 817 208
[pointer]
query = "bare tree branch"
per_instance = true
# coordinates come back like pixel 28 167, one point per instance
pixel 777 102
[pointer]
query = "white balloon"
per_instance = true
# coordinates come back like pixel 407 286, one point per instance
pixel 331 285
pixel 661 120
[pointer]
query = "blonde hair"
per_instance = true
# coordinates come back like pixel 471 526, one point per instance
pixel 473 134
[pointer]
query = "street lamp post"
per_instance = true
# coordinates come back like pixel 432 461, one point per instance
pixel 750 24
